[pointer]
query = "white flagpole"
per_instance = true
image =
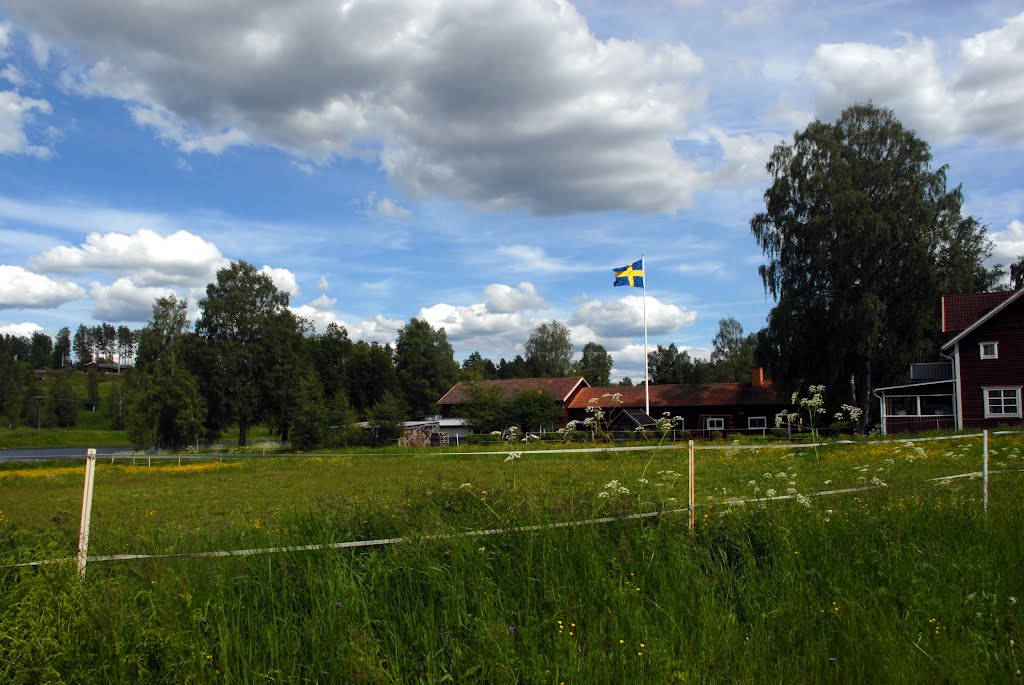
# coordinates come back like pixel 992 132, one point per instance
pixel 647 374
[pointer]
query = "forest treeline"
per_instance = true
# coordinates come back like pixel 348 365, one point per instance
pixel 249 359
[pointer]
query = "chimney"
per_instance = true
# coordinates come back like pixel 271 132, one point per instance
pixel 757 376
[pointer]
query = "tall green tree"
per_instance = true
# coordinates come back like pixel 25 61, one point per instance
pixel 63 405
pixel 862 237
pixel 238 313
pixel 549 350
pixel 82 345
pixel 669 365
pixel 732 353
pixel 476 367
pixel 160 403
pixel 40 350
pixel 371 375
pixel 62 349
pixel 596 364
pixel 426 365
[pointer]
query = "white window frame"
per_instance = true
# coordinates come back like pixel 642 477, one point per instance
pixel 719 423
pixel 1005 392
pixel 995 350
pixel 761 422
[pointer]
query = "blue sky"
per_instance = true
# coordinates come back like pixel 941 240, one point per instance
pixel 478 163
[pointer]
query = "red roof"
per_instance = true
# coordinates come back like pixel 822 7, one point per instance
pixel 560 388
pixel 960 311
pixel 688 395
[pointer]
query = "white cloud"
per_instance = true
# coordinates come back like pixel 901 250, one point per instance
pixel 40 50
pixel 17 113
pixel 12 75
pixel 152 259
pixel 906 78
pixel 385 208
pixel 21 330
pixel 499 104
pixel 991 87
pixel 615 318
pixel 283 279
pixel 124 300
pixel 1009 244
pixel 984 98
pixel 743 156
pixel 323 285
pixel 5 36
pixel 23 289
pixel 504 299
pixel 378 329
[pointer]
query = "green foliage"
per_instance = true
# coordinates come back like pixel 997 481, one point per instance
pixel 386 419
pixel 63 406
pixel 426 366
pixel 61 349
pixel 478 368
pixel 311 415
pixel 40 350
pixel 549 350
pixel 488 409
pixel 596 364
pixel 533 410
pixel 249 334
pixel 862 238
pixel 93 399
pixel 165 407
pixel 371 375
pixel 733 353
pixel 671 365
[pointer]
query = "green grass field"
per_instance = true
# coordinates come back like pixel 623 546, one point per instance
pixel 909 582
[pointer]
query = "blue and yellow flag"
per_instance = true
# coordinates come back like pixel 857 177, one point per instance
pixel 631 274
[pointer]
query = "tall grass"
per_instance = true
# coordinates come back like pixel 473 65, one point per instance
pixel 914 587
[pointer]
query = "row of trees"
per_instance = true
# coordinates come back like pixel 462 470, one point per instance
pixel 100 343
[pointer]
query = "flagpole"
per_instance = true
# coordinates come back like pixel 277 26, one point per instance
pixel 647 374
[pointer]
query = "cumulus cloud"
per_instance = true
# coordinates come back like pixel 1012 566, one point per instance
pixel 983 97
pixel 23 289
pixel 905 78
pixel 282 278
pixel 150 258
pixel 500 104
pixel 385 208
pixel 743 155
pixel 613 318
pixel 16 114
pixel 504 299
pixel 124 300
pixel 1009 243
pixel 379 329
pixel 21 330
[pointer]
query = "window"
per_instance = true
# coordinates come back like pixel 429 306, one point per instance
pixel 989 350
pixel 1002 402
pixel 715 423
pixel 757 422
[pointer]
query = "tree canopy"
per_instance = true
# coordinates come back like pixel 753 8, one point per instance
pixel 549 350
pixel 862 237
pixel 596 364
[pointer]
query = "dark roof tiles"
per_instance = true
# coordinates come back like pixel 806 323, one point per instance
pixel 689 395
pixel 960 311
pixel 560 388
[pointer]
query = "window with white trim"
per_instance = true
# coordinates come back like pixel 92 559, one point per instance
pixel 988 350
pixel 715 423
pixel 1002 402
pixel 757 422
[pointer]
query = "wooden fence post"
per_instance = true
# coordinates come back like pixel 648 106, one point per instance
pixel 691 479
pixel 83 531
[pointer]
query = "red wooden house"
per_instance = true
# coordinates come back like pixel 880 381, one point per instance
pixel 979 384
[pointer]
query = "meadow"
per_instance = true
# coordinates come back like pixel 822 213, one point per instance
pixel 908 582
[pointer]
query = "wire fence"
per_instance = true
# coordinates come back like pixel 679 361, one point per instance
pixel 724 451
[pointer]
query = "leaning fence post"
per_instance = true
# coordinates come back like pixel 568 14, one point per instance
pixel 984 468
pixel 691 478
pixel 83 531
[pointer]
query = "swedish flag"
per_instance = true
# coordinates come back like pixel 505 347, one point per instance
pixel 631 274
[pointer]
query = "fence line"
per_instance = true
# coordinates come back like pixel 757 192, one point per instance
pixel 383 542
pixel 91 456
